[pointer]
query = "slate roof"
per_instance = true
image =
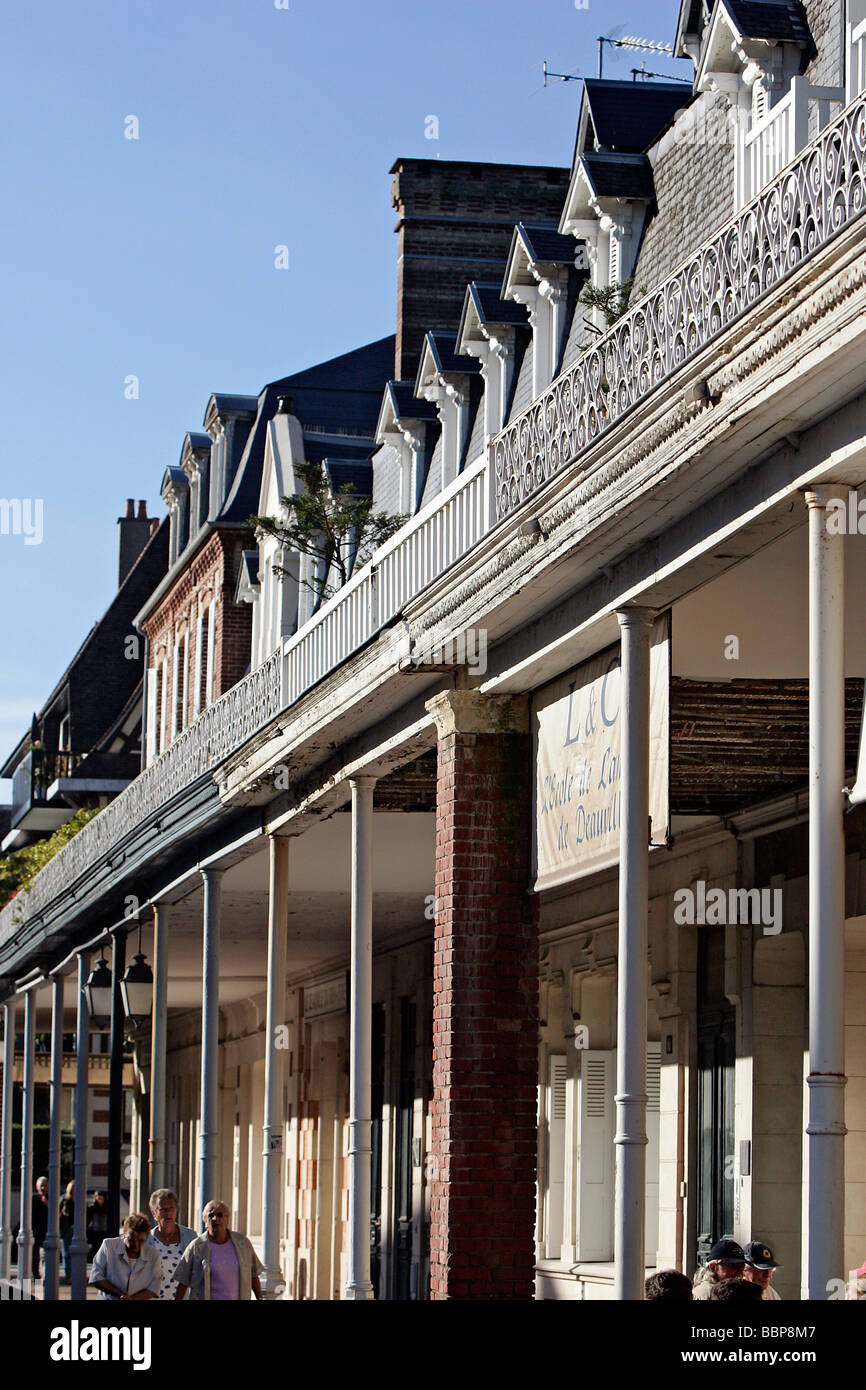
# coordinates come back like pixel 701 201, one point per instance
pixel 250 567
pixel 408 406
pixel 338 397
pixel 173 477
pixel 446 360
pixel 630 116
pixel 320 447
pixel 94 666
pixel 544 244
pixel 226 402
pixel 348 473
pixel 618 175
pixel 782 20
pixel 196 440
pixel 490 308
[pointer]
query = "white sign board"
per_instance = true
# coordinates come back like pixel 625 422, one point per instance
pixel 577 760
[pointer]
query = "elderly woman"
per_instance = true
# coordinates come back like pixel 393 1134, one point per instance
pixel 125 1267
pixel 168 1238
pixel 221 1264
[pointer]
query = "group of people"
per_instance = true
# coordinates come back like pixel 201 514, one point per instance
pixel 155 1258
pixel 97 1223
pixel 168 1261
pixel 733 1274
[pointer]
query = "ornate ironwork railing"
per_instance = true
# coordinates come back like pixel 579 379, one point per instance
pixel 217 732
pixel 806 205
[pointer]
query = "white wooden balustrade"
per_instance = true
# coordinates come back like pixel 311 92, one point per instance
pixel 780 134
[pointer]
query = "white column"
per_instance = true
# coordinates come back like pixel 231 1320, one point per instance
pixel 824 1216
pixel 52 1236
pixel 78 1247
pixel 275 1053
pixel 210 1028
pixel 9 1012
pixel 631 1099
pixel 358 1285
pixel 158 1021
pixel 25 1215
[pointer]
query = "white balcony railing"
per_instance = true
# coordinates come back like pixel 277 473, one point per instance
pixel 856 45
pixel 780 134
pixel 419 552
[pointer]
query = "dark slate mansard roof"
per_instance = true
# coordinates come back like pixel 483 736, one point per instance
pixel 630 116
pixel 337 400
pixel 619 175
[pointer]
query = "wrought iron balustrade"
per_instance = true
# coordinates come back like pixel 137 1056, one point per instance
pixel 800 211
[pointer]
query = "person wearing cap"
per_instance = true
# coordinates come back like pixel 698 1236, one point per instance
pixel 726 1260
pixel 760 1263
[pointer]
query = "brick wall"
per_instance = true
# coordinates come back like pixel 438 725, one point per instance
pixel 455 223
pixel 212 573
pixel 485 1007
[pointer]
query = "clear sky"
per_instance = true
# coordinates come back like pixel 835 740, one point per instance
pixel 154 257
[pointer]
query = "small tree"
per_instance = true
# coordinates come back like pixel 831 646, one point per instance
pixel 612 300
pixel 336 530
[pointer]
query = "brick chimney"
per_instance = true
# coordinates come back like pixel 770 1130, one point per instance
pixel 135 532
pixel 455 222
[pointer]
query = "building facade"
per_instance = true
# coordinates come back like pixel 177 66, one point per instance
pixel 504 919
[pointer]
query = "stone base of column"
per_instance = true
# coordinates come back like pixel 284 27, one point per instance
pixel 485 1004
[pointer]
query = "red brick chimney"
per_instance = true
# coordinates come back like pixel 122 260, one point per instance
pixel 134 535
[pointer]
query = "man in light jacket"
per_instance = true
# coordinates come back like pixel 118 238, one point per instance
pixel 221 1265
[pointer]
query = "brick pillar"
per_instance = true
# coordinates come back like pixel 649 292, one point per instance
pixel 485 1004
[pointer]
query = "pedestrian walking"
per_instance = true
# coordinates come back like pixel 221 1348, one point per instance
pixel 97 1223
pixel 167 1238
pixel 759 1269
pixel 39 1221
pixel 726 1261
pixel 221 1265
pixel 126 1268
pixel 67 1228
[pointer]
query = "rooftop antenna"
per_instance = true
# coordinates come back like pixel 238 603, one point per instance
pixel 642 72
pixel 559 76
pixel 635 44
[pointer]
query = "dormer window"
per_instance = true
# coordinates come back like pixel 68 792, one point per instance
pixel 405 422
pixel 175 494
pixel 539 274
pixel 446 379
pixel 755 55
pixel 488 330
pixel 606 207
pixel 195 463
pixel 227 420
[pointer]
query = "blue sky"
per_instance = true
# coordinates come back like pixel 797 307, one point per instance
pixel 154 257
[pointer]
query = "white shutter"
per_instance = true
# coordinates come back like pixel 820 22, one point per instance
pixel 211 614
pixel 175 690
pixel 556 1107
pixel 163 708
pixel 184 681
pixel 595 1156
pixel 150 733
pixel 653 1108
pixel 197 676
